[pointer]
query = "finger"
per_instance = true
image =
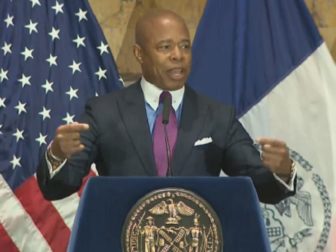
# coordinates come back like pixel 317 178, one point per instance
pixel 278 150
pixel 67 138
pixel 74 127
pixel 270 157
pixel 78 148
pixel 74 150
pixel 270 141
pixel 68 145
pixel 277 167
pixel 271 161
pixel 68 141
pixel 71 136
pixel 277 163
pixel 76 143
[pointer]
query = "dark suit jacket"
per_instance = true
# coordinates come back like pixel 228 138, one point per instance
pixel 120 143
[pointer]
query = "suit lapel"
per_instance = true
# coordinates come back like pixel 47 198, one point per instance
pixel 191 123
pixel 133 112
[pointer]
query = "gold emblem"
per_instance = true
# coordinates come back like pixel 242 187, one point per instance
pixel 172 219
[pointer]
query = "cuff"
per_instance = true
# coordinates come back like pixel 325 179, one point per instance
pixel 54 164
pixel 290 185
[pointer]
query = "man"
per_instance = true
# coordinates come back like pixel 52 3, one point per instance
pixel 118 131
pixel 150 233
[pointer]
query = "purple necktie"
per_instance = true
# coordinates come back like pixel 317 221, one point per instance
pixel 164 144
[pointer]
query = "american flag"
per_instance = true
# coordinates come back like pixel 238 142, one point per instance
pixel 53 57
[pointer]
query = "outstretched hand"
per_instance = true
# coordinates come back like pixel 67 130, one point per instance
pixel 275 156
pixel 67 140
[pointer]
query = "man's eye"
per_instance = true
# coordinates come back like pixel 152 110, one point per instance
pixel 185 46
pixel 164 47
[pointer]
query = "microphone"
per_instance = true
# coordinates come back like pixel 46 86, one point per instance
pixel 165 120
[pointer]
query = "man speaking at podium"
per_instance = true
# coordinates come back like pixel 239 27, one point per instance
pixel 161 127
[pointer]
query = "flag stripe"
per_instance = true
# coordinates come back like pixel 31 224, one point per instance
pixel 6 242
pixel 67 208
pixel 18 224
pixel 33 201
pixel 333 234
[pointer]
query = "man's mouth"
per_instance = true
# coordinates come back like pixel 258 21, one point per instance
pixel 176 73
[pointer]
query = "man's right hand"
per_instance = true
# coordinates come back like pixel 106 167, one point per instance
pixel 67 140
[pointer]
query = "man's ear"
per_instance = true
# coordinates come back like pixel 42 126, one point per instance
pixel 137 51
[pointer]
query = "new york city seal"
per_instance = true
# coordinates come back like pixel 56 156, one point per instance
pixel 172 219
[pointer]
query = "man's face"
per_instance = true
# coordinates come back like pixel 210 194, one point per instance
pixel 165 56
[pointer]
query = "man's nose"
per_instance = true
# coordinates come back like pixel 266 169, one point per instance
pixel 176 54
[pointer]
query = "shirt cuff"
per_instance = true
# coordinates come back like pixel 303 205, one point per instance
pixel 290 185
pixel 53 172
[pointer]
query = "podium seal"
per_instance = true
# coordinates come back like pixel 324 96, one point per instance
pixel 172 219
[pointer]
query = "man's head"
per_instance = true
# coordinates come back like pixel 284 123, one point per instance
pixel 163 49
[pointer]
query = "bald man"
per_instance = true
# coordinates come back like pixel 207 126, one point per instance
pixel 116 130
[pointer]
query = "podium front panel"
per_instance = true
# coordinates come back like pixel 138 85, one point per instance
pixel 106 202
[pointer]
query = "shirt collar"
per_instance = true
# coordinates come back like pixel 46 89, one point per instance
pixel 152 94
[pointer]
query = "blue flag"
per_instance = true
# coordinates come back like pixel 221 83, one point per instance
pixel 267 59
pixel 243 49
pixel 53 57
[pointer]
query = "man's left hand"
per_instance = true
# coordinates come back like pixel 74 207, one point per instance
pixel 275 156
